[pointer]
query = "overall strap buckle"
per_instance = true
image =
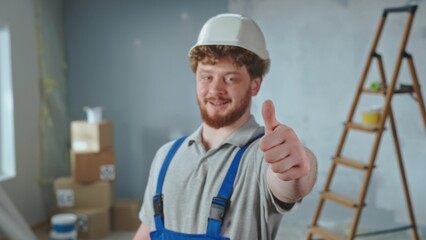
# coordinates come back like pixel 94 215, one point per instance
pixel 158 205
pixel 218 208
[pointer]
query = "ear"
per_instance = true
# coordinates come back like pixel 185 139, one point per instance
pixel 255 85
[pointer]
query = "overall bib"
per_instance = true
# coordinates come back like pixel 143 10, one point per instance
pixel 218 207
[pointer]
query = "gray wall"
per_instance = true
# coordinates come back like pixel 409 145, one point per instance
pixel 131 57
pixel 318 51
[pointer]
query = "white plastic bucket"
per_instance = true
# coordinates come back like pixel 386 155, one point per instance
pixel 64 223
pixel 94 114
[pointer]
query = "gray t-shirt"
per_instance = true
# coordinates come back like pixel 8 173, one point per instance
pixel 194 178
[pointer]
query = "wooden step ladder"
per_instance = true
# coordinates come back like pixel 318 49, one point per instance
pixel 388 91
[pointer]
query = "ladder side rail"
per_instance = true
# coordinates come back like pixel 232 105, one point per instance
pixel 416 87
pixel 403 176
pixel 401 54
pixel 397 145
pixel 383 78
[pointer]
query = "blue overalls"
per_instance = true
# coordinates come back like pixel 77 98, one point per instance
pixel 218 206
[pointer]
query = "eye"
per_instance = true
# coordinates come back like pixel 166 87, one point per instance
pixel 205 78
pixel 231 79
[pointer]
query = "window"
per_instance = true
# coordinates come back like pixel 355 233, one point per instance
pixel 7 129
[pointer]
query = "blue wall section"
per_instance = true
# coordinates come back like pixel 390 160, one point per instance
pixel 131 58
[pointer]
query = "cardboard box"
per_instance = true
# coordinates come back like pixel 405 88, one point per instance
pixel 69 194
pixel 93 223
pixel 88 167
pixel 125 215
pixel 91 137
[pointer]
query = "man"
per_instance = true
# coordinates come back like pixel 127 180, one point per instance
pixel 231 178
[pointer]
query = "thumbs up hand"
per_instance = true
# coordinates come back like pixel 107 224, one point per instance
pixel 282 149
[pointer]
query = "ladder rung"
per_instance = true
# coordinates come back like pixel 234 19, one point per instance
pixel 363 127
pixel 339 199
pixel 372 91
pixel 383 91
pixel 326 234
pixel 352 163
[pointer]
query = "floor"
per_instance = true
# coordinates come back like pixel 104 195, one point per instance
pixel 289 235
pixel 294 232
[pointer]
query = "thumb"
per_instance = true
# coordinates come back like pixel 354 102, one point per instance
pixel 268 113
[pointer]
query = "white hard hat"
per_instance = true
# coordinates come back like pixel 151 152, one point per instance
pixel 235 30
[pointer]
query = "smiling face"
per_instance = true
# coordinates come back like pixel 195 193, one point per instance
pixel 224 92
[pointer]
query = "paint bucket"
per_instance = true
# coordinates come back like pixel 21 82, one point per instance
pixel 372 115
pixel 64 226
pixel 94 114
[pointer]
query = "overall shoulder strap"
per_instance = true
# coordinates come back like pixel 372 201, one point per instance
pixel 167 162
pixel 219 203
pixel 158 198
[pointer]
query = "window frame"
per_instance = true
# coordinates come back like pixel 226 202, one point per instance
pixel 7 132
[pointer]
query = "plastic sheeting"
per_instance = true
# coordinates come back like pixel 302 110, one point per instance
pixel 11 222
pixel 54 122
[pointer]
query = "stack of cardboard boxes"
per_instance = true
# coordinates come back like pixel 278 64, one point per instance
pixel 89 191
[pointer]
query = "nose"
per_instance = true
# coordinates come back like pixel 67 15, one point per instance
pixel 217 87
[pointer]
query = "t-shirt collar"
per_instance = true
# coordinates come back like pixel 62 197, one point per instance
pixel 238 138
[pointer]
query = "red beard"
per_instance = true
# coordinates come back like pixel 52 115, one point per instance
pixel 229 118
